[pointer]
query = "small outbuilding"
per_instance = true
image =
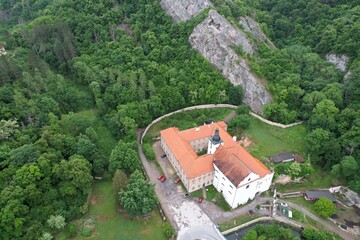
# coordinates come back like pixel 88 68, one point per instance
pixel 283 157
pixel 313 195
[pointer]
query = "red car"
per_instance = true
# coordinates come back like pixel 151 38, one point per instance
pixel 163 179
pixel 177 180
pixel 200 200
pixel 160 177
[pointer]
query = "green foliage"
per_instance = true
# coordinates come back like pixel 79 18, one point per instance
pixel 119 181
pixel 312 234
pixel 240 122
pixel 124 157
pixel 57 222
pixel 148 151
pixel 272 231
pixel 46 236
pixel 86 232
pixel 169 231
pixel 138 197
pixel 325 207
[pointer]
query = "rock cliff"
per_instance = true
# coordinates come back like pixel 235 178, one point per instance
pixel 252 26
pixel 214 38
pixel 183 10
pixel 340 61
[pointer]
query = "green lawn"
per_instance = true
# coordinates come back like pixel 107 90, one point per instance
pixel 214 196
pixel 188 119
pixel 237 221
pixel 269 140
pixel 110 224
pixel 318 179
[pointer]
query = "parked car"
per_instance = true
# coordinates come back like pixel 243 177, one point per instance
pixel 160 177
pixel 163 179
pixel 200 200
pixel 177 180
pixel 283 204
pixel 163 155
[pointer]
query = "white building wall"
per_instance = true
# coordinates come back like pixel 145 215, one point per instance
pixel 212 147
pixel 246 190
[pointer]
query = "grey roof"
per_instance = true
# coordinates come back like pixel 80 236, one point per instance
pixel 316 194
pixel 216 138
pixel 282 157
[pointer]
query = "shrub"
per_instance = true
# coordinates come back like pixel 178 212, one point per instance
pixel 86 232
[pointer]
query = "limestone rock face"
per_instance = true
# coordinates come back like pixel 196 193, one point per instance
pixel 183 10
pixel 252 26
pixel 340 61
pixel 213 38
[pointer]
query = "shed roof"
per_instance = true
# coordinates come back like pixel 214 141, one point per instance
pixel 316 194
pixel 282 157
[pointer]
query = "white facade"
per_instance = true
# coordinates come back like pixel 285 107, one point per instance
pixel 251 186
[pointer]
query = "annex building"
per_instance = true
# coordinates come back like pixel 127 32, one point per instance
pixel 226 164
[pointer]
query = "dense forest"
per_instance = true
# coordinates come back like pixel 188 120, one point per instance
pixel 129 64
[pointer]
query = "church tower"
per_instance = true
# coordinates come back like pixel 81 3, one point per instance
pixel 214 142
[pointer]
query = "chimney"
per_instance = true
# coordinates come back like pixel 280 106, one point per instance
pixel 234 138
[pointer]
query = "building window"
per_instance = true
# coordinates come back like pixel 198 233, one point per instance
pixel 247 186
pixel 223 178
pixel 249 179
pixel 216 176
pixel 231 186
pixel 230 192
pixel 222 184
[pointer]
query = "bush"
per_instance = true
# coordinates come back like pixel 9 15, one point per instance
pixel 148 151
pixel 71 230
pixel 325 207
pixel 86 232
pixel 168 230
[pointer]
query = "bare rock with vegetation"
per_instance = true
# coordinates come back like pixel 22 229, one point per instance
pixel 184 10
pixel 215 38
pixel 252 26
pixel 339 60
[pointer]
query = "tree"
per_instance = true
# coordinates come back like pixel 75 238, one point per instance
pixel 124 157
pixel 294 169
pixel 235 94
pixel 325 207
pixel 240 122
pixel 120 181
pixel 139 196
pixel 349 166
pixel 24 154
pixel 7 128
pixel 46 236
pixel 250 235
pixel 57 222
pixel 324 115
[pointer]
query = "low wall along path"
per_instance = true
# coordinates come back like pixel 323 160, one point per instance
pixel 209 106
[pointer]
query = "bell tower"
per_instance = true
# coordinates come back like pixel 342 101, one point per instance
pixel 214 142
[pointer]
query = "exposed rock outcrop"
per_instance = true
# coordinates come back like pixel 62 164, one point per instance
pixel 340 61
pixel 183 10
pixel 214 38
pixel 252 26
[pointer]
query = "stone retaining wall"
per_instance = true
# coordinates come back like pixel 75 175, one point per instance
pixel 208 106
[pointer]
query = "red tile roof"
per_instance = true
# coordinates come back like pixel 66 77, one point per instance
pixel 231 158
